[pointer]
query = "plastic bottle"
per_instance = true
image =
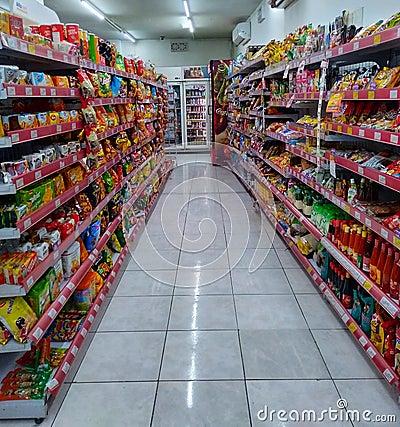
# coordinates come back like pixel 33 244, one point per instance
pixel 352 191
pixel 387 269
pixel 347 292
pixel 345 239
pixel 356 245
pixel 374 259
pixel 395 278
pixel 369 246
pixel 352 241
pixel 383 254
pixel 344 189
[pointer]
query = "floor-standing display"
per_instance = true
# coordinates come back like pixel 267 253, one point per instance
pixel 173 134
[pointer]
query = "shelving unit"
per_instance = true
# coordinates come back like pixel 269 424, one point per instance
pixel 295 139
pixel 28 55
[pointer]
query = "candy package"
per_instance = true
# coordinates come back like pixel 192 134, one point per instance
pixel 91 236
pixel 66 326
pixel 108 181
pixel 17 317
pixel 83 206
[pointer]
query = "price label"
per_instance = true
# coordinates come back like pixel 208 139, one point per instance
pixel 357 215
pixel 384 233
pixel 28 91
pixel 74 350
pixel 340 128
pixel 347 208
pixel 73 126
pixel 329 54
pixel 53 92
pixel 23 47
pixel 52 314
pixel 102 297
pixel 377 39
pixel 56 254
pixel 377 136
pixel 65 58
pixel 29 282
pixel 345 318
pixel 84 332
pixel 59 129
pixel 340 51
pixel 394 139
pixel 396 242
pixel 71 286
pixel 32 49
pixel 367 285
pixel 389 306
pixel 363 341
pixel 361 132
pixel 61 165
pixel 19 182
pixel 62 300
pixel 75 158
pixel 91 318
pixel 34 134
pixel 49 54
pixel 38 333
pixel 352 327
pixel 355 95
pixel 371 352
pixel 286 73
pixel 350 131
pixel 38 174
pixel 28 223
pixel 43 91
pixel 77 189
pixel 368 222
pixel 388 375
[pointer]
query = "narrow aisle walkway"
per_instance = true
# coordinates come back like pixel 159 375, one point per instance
pixel 193 338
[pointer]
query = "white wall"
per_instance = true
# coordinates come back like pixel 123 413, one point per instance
pixel 280 22
pixel 199 53
pixel 323 11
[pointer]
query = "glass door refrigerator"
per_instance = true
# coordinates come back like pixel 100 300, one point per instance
pixel 197 129
pixel 173 133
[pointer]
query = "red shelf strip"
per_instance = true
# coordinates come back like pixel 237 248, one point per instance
pixel 26 91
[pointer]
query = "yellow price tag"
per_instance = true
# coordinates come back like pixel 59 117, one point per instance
pixel 377 39
pixel 367 285
pixel 331 157
pixel 339 128
pixel 305 95
pixel 352 327
pixel 350 131
pixel 396 242
pixel 312 95
pixel 309 269
pixel 371 94
pixel 355 95
pixel 330 127
pixel 347 208
pixel 32 48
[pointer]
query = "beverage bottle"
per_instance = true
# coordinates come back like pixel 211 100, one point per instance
pixel 344 189
pixel 374 259
pixel 352 241
pixel 369 246
pixel 352 191
pixel 345 239
pixel 347 292
pixel 361 192
pixel 387 269
pixel 395 278
pixel 381 263
pixel 361 249
pixel 356 245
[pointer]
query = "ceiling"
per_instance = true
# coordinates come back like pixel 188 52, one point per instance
pixel 150 19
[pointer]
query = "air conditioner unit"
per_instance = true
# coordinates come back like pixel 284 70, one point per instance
pixel 241 33
pixel 281 4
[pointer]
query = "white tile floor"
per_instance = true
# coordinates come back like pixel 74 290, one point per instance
pixel 194 342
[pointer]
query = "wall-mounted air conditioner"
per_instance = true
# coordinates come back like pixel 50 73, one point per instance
pixel 281 4
pixel 241 33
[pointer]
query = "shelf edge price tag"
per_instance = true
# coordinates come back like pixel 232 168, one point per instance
pixel 34 134
pixel 367 285
pixel 396 242
pixel 49 54
pixel 363 341
pixel 352 327
pixel 357 215
pixel 368 222
pixel 361 132
pixel 371 352
pixel 74 350
pixel 28 91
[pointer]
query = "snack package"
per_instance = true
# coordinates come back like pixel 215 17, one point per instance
pixel 105 85
pixel 71 260
pixel 5 334
pixel 66 326
pixel 114 244
pixel 27 121
pixel 35 196
pixel 59 186
pixel 83 206
pixel 39 297
pixel 74 175
pixel 91 236
pixel 83 251
pixel 85 292
pixel 85 84
pixel 17 317
pixel 108 181
pixel 61 81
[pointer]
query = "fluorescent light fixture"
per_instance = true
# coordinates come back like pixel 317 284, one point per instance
pixel 114 25
pixel 93 9
pixel 130 37
pixel 191 28
pixel 186 6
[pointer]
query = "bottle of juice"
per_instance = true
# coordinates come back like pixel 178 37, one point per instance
pixel 381 263
pixel 374 259
pixel 387 269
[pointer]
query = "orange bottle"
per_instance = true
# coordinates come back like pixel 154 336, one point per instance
pixel 395 278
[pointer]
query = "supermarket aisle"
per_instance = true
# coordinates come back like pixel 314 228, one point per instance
pixel 215 343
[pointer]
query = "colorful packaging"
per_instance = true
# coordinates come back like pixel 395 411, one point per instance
pixel 72 34
pixel 71 260
pixel 16 26
pixel 39 297
pixel 57 33
pixel 17 317
pixel 85 292
pixel 4 22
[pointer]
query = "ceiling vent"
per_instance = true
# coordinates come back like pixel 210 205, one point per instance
pixel 241 33
pixel 179 46
pixel 281 4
